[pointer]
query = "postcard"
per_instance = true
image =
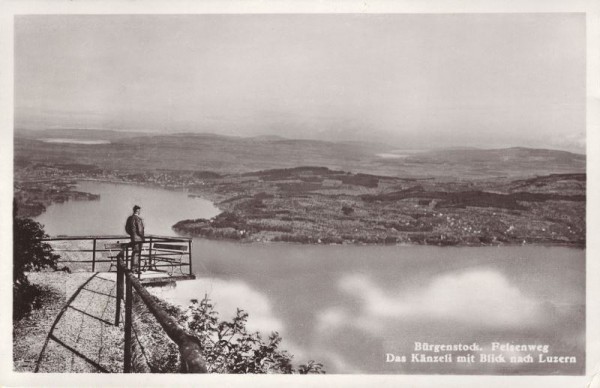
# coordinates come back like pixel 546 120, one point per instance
pixel 368 193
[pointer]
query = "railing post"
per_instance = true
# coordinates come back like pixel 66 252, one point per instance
pixel 94 257
pixel 128 316
pixel 150 255
pixel 119 294
pixel 190 256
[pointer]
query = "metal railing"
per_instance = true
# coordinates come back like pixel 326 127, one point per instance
pixel 98 250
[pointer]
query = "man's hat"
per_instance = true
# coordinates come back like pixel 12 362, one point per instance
pixel 136 208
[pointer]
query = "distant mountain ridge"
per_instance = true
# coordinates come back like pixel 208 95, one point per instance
pixel 110 134
pixel 225 154
pixel 514 153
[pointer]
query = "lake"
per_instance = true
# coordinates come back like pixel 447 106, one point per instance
pixel 74 141
pixel 350 307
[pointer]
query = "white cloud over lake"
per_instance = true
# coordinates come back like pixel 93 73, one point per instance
pixel 481 298
pixel 227 296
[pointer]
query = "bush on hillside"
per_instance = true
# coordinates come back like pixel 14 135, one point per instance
pixel 229 347
pixel 29 254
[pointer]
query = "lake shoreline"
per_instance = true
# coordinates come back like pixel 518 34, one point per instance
pixel 402 244
pixel 249 231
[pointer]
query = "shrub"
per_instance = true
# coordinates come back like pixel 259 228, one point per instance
pixel 332 240
pixel 228 220
pixel 206 175
pixel 361 180
pixel 228 347
pixel 29 254
pixel 347 210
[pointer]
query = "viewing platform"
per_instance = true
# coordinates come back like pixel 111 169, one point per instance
pixel 164 259
pixel 100 328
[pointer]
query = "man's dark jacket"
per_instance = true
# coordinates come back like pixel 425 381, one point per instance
pixel 135 228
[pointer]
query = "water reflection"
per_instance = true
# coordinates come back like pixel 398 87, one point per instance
pixel 474 305
pixel 353 334
pixel 474 297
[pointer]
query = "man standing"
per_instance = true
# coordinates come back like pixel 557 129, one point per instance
pixel 135 229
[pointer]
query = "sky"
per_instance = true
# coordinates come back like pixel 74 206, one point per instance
pixel 412 81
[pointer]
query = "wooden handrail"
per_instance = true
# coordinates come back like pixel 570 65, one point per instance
pixel 189 347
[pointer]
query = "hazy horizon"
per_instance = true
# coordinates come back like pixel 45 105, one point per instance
pixel 428 80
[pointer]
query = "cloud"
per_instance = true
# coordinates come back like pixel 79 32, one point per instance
pixel 482 298
pixel 227 296
pixel 575 142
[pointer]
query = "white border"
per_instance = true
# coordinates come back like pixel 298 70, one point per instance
pixel 592 9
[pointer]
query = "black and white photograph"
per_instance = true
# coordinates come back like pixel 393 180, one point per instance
pixel 326 193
